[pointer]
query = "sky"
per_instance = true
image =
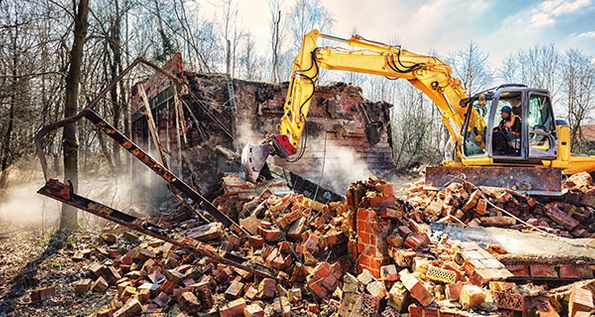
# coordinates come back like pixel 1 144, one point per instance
pixel 443 26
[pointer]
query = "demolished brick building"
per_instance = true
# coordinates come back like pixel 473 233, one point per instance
pixel 220 115
pixel 426 251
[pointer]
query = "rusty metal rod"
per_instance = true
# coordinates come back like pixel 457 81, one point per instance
pixel 63 193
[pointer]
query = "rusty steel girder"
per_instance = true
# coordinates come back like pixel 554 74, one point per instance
pixel 525 179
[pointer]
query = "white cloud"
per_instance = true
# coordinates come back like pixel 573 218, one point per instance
pixel 541 19
pixel 546 12
pixel 589 34
pixel 441 26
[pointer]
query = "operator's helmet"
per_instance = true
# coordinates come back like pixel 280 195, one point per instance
pixel 506 109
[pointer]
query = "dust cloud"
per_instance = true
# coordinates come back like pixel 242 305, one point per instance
pixel 246 134
pixel 21 204
pixel 342 166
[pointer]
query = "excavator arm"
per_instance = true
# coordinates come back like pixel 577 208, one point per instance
pixel 427 73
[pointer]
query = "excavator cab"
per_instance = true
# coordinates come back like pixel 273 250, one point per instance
pixel 517 126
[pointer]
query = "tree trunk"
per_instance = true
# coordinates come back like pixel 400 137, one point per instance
pixel 115 71
pixel 6 157
pixel 68 219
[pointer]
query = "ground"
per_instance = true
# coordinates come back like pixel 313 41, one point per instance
pixel 32 258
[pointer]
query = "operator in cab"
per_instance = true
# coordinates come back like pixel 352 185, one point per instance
pixel 507 134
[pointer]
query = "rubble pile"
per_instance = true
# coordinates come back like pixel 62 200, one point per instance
pixel 370 255
pixel 570 216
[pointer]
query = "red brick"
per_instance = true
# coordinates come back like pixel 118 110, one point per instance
pixel 404 231
pixel 519 270
pixel 82 286
pixel 575 271
pixel 453 291
pixel 233 309
pixel 560 217
pixel 267 288
pixel 100 285
pixel 390 213
pixel 189 303
pixel 234 290
pixel 416 288
pixel 256 242
pixel 482 207
pixel 380 201
pixel 335 237
pixel 253 310
pixel 539 270
pixel 271 234
pixel 389 273
pixel 417 240
pixel 288 218
pixel 132 308
pixel 42 294
pixel 581 300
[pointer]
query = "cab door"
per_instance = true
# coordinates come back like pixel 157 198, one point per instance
pixel 541 126
pixel 508 144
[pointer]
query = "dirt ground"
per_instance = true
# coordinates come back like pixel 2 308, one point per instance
pixel 30 259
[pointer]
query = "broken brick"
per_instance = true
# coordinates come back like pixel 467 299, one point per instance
pixel 253 310
pixel 132 308
pixel 471 296
pixel 234 290
pixel 270 234
pixel 267 288
pixel 234 308
pixel 581 300
pixel 100 285
pixel 42 294
pixel 482 207
pixel 416 288
pixel 207 232
pixel 82 286
pixel 560 217
pixel 189 303
pixel 389 273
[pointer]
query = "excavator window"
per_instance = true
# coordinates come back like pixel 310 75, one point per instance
pixel 541 123
pixel 475 134
pixel 507 127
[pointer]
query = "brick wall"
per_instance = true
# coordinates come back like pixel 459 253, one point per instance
pixel 338 114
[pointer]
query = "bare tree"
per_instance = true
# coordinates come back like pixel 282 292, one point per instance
pixel 68 221
pixel 579 87
pixel 538 67
pixel 306 15
pixel 470 65
pixel 276 38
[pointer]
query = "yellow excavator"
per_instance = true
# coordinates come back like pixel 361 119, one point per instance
pixel 483 149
